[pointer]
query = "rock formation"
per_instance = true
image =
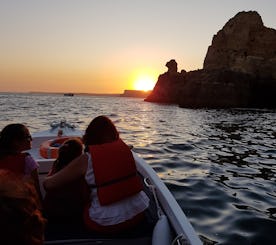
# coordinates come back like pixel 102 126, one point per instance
pixel 168 85
pixel 239 70
pixel 244 45
pixel 135 93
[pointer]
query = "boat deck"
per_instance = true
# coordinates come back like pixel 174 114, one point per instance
pixel 75 234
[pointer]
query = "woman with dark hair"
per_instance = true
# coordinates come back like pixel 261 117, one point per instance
pixel 117 201
pixel 14 140
pixel 101 130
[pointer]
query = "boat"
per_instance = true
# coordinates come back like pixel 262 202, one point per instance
pixel 68 94
pixel 171 225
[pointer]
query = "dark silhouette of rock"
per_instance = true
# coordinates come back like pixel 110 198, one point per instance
pixel 167 87
pixel 215 89
pixel 239 70
pixel 172 67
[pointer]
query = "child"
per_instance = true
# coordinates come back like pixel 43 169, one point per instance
pixel 69 150
pixel 65 204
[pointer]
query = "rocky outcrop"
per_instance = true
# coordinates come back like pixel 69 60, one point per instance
pixel 167 87
pixel 239 70
pixel 215 89
pixel 204 88
pixel 244 45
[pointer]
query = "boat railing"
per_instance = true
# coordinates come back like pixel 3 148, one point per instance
pixel 62 124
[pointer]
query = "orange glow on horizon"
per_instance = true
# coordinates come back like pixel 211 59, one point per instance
pixel 79 79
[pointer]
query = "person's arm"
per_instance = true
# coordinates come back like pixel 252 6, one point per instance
pixel 35 178
pixel 72 171
pixel 31 174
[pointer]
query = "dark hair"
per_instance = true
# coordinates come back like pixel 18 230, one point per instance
pixel 69 150
pixel 100 130
pixel 19 207
pixel 10 134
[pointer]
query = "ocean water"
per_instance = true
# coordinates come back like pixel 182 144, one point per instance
pixel 220 165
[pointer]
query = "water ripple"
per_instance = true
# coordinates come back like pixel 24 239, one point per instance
pixel 219 164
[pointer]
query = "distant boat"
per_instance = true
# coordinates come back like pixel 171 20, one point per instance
pixel 68 94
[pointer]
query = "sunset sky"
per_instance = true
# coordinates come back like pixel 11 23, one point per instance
pixel 107 46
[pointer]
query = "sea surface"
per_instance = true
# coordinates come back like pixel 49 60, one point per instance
pixel 220 165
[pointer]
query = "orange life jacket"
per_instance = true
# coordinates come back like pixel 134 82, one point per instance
pixel 15 163
pixel 115 172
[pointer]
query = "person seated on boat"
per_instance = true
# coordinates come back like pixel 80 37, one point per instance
pixel 14 140
pixel 65 204
pixel 68 150
pixel 117 201
pixel 21 220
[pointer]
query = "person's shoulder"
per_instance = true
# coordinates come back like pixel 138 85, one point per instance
pixel 83 158
pixel 31 162
pixel 26 155
pixel 29 157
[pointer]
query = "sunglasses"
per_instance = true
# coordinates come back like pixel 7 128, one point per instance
pixel 29 137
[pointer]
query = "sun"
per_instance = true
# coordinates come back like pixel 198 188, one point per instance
pixel 144 83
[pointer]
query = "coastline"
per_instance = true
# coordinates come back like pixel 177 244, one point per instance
pixel 62 93
pixel 126 93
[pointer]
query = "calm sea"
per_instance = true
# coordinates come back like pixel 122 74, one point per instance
pixel 219 164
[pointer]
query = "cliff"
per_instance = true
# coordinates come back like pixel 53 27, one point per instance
pixel 245 45
pixel 239 70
